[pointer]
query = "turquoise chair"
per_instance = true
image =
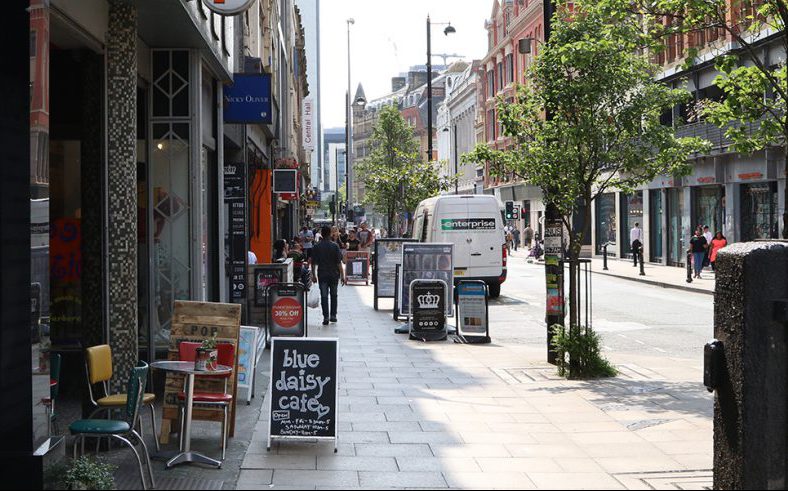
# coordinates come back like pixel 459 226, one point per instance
pixel 118 429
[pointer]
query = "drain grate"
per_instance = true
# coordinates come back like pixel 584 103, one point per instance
pixel 646 423
pixel 132 481
pixel 700 479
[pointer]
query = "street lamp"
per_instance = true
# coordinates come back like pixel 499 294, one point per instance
pixel 456 158
pixel 448 30
pixel 349 126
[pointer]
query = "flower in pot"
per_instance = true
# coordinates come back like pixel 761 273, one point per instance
pixel 85 473
pixel 207 355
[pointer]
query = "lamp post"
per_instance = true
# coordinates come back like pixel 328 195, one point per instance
pixel 349 127
pixel 449 30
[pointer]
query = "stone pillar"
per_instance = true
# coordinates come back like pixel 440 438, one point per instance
pixel 751 402
pixel 122 187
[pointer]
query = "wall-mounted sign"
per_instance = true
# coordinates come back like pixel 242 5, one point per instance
pixel 248 99
pixel 235 198
pixel 285 181
pixel 228 7
pixel 308 121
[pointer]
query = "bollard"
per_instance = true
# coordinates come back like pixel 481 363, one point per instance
pixel 640 256
pixel 604 256
pixel 689 267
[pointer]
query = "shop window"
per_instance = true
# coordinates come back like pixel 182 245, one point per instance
pixel 759 218
pixel 677 242
pixel 605 221
pixel 709 208
pixel 632 213
pixel 656 217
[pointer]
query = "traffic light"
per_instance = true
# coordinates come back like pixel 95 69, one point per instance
pixel 509 210
pixel 332 207
pixel 516 213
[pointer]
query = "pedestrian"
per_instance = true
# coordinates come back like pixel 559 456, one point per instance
pixel 327 270
pixel 509 240
pixel 516 236
pixel 718 242
pixel 280 250
pixel 636 241
pixel 307 240
pixel 336 237
pixel 707 235
pixel 698 246
pixel 352 241
pixel 365 238
pixel 528 235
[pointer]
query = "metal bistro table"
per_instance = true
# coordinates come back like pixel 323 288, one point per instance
pixel 187 368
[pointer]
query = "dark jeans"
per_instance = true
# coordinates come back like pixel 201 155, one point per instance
pixel 328 286
pixel 697 261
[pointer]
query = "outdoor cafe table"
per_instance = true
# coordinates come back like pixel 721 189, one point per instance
pixel 187 368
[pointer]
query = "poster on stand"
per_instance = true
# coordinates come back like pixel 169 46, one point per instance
pixel 426 261
pixel 472 319
pixel 357 266
pixel 388 254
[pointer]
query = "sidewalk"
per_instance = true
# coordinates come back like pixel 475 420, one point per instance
pixel 442 414
pixel 656 274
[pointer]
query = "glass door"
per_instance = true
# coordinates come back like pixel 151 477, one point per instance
pixel 657 215
pixel 675 240
pixel 759 211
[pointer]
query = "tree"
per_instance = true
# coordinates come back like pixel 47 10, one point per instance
pixel 753 110
pixel 395 178
pixel 603 130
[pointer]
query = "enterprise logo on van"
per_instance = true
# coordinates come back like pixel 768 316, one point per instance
pixel 468 224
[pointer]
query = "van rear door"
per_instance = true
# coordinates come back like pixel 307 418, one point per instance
pixel 448 213
pixel 486 244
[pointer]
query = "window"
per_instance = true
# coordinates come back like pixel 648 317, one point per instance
pixel 509 68
pixel 32 43
pixel 490 84
pixel 491 125
pixel 501 82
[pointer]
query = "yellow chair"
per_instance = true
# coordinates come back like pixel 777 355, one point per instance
pixel 98 365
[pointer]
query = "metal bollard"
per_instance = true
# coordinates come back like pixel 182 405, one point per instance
pixel 689 267
pixel 640 256
pixel 604 255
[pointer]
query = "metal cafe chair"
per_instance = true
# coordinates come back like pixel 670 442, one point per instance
pixel 98 367
pixel 122 430
pixel 54 388
pixel 188 352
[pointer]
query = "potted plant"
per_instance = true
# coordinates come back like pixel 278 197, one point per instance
pixel 85 473
pixel 207 355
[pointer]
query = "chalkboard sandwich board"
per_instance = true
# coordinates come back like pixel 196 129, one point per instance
pixel 302 394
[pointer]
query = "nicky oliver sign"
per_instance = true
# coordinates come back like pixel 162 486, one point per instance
pixel 248 99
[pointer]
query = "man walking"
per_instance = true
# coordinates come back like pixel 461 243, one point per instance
pixel 327 259
pixel 708 236
pixel 516 235
pixel 636 240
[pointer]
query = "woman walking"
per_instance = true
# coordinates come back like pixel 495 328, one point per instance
pixel 718 242
pixel 698 246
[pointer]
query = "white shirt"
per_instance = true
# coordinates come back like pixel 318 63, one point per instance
pixel 635 234
pixel 708 236
pixel 307 239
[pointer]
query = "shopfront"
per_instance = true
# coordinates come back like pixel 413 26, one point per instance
pixel 677 241
pixel 605 222
pixel 631 213
pixel 708 203
pixel 656 225
pixel 759 211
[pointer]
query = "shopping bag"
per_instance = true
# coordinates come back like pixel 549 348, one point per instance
pixel 313 298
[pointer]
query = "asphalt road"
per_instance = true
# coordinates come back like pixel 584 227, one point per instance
pixel 631 317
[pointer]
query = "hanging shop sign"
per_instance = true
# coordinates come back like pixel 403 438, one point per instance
pixel 285 181
pixel 228 7
pixel 248 99
pixel 302 397
pixel 307 124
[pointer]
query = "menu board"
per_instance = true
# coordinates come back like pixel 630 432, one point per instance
pixel 263 278
pixel 303 390
pixel 288 313
pixel 428 309
pixel 426 261
pixel 357 266
pixel 388 254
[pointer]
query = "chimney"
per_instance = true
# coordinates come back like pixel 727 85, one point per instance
pixel 397 83
pixel 417 79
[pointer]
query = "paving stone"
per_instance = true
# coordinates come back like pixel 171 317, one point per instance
pixel 432 480
pixel 342 463
pixel 486 480
pixel 517 464
pixel 337 479
pixel 585 480
pixel 268 461
pixel 393 450
pixel 261 477
pixel 437 464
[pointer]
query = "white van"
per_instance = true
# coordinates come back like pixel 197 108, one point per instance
pixel 474 224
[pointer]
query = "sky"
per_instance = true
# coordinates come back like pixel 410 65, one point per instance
pixel 387 38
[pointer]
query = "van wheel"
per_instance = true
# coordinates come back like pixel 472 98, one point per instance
pixel 495 290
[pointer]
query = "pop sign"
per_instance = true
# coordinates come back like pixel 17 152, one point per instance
pixel 288 312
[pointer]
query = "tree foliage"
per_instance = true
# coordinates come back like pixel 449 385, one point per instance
pixel 604 107
pixel 394 176
pixel 753 109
